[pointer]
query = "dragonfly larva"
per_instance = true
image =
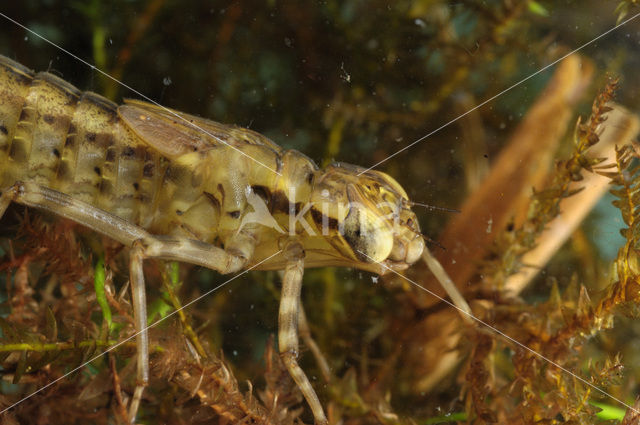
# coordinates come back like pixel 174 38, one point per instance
pixel 178 187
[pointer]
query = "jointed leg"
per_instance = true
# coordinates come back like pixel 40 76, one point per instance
pixel 139 299
pixel 144 245
pixel 288 327
pixel 448 285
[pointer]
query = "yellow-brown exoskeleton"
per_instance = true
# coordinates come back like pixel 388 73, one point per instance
pixel 178 187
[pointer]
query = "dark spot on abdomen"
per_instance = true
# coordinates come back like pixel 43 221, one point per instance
pixel 105 186
pixel 63 172
pixel 18 150
pixel 147 171
pixel 138 153
pixel 102 140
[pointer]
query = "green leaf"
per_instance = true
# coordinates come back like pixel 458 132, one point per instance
pixel 445 419
pixel 608 412
pixel 101 296
pixel 537 8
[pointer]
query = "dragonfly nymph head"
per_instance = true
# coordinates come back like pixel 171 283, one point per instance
pixel 366 217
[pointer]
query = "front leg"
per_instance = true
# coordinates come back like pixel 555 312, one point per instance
pixel 288 326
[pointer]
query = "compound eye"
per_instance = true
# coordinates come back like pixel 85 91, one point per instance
pixel 370 238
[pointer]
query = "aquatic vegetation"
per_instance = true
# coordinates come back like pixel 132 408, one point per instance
pixel 355 82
